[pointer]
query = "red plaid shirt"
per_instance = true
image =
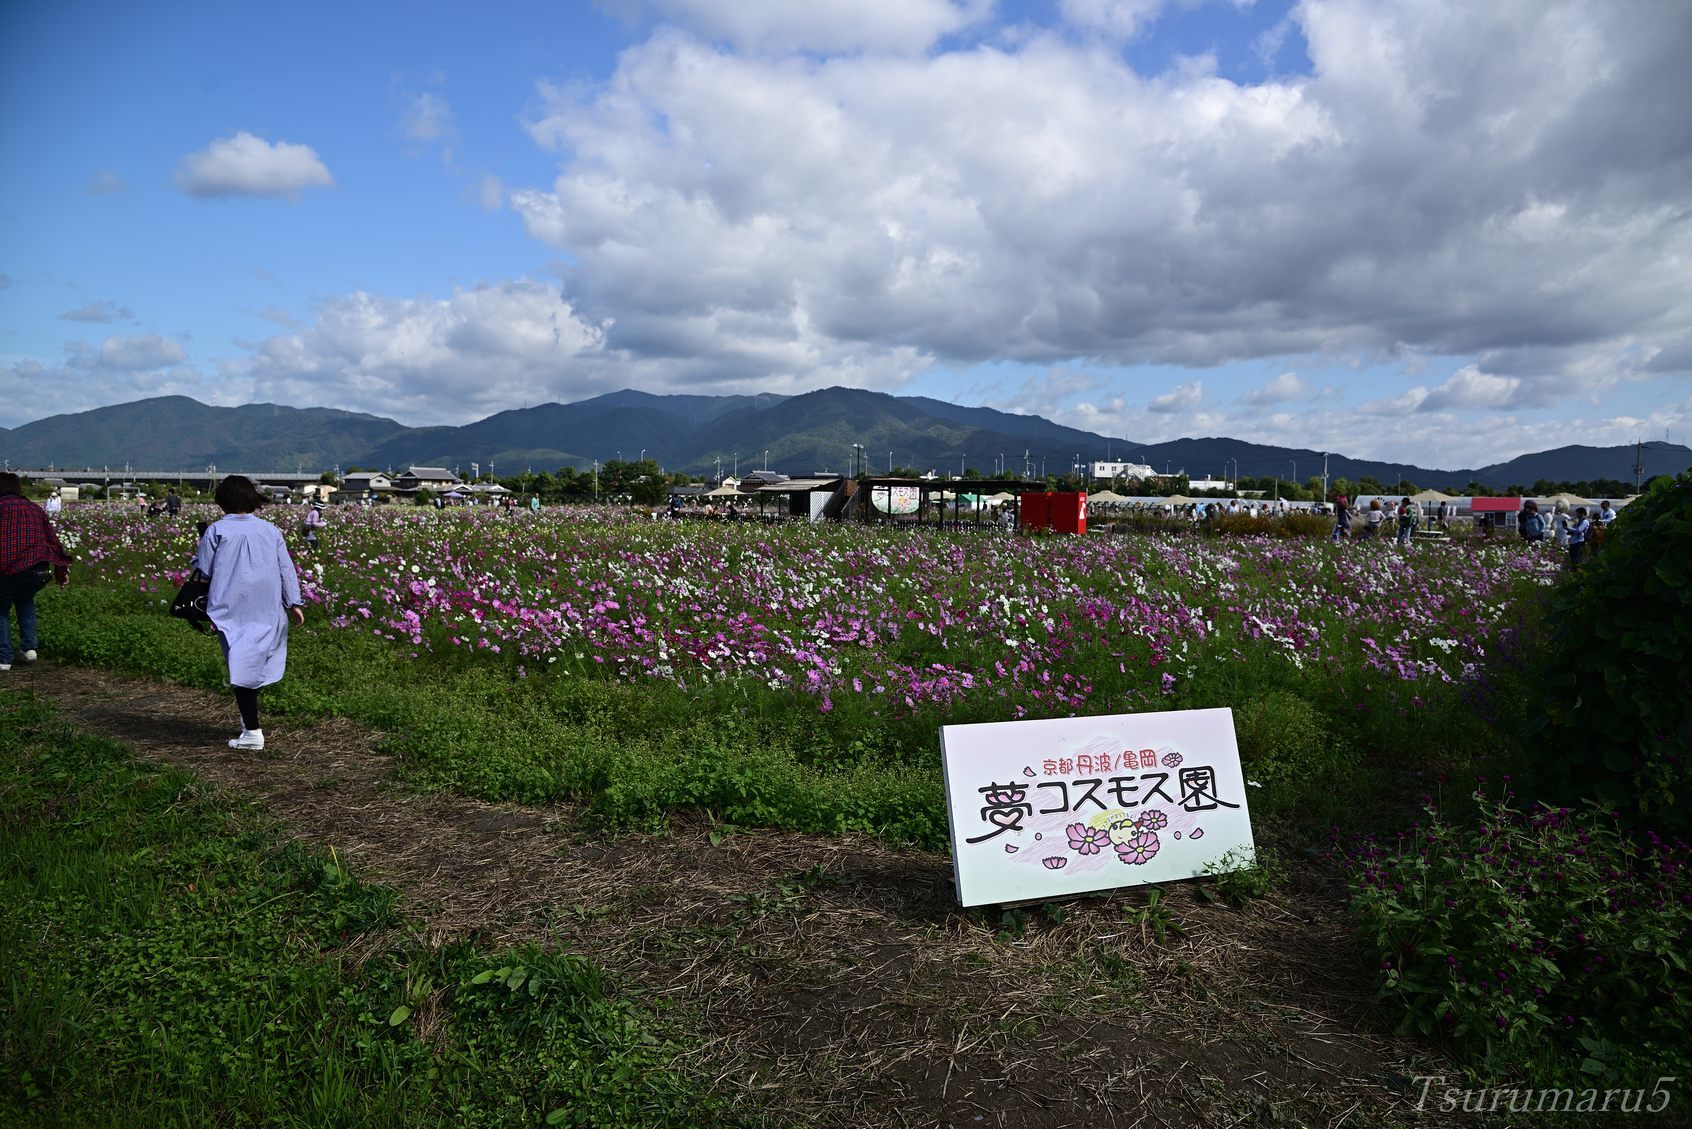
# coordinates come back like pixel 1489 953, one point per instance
pixel 27 538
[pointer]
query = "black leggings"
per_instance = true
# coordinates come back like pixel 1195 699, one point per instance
pixel 247 698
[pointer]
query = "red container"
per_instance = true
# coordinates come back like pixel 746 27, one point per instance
pixel 1034 511
pixel 1069 513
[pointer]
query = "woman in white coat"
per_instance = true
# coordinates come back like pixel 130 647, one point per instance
pixel 254 594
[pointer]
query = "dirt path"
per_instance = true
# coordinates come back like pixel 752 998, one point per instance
pixel 834 980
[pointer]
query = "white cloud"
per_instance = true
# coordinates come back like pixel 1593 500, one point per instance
pixel 106 183
pixel 129 354
pixel 1473 181
pixel 490 193
pixel 101 311
pixel 1115 19
pixel 427 117
pixel 479 351
pixel 818 25
pixel 1280 390
pixel 244 165
pixel 1187 396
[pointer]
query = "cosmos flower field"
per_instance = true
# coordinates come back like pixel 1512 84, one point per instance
pixel 1053 626
pixel 886 622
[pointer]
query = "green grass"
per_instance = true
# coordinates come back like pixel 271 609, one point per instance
pixel 751 755
pixel 167 962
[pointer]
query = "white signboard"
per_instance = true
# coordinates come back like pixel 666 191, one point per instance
pixel 1047 809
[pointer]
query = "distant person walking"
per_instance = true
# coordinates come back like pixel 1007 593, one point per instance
pixel 30 556
pixel 172 502
pixel 1406 521
pixel 1579 529
pixel 1374 518
pixel 54 503
pixel 254 595
pixel 1342 518
pixel 313 525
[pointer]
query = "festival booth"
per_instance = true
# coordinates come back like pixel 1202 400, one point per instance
pixel 1059 513
pixel 1494 513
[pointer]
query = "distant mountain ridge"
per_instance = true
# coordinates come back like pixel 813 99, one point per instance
pixel 824 430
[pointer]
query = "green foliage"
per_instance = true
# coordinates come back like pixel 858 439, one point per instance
pixel 169 963
pixel 1531 941
pixel 1239 878
pixel 1617 707
pixel 1153 917
pixel 1286 746
pixel 1300 525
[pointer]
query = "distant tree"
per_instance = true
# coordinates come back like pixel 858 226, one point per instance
pixel 649 490
pixel 328 478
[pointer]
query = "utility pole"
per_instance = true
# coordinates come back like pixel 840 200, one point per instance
pixel 1324 476
pixel 1638 465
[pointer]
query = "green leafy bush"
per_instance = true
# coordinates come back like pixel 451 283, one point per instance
pixel 1286 747
pixel 1533 938
pixel 1616 722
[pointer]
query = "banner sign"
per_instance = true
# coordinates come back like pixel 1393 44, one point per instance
pixel 896 499
pixel 1041 810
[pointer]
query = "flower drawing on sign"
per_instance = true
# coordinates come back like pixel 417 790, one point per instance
pixel 1152 820
pixel 1055 862
pixel 1084 840
pixel 1171 760
pixel 1140 848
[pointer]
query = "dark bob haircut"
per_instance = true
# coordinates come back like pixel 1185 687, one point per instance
pixel 10 484
pixel 237 495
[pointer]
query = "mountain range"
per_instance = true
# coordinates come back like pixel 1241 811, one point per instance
pixel 817 431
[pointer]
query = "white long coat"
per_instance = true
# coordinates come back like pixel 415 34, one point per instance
pixel 253 584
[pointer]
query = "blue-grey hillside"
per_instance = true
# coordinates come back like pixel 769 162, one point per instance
pixel 817 431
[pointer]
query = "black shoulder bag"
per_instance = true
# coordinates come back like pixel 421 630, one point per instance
pixel 190 602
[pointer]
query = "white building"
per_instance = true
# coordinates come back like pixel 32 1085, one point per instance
pixel 1108 470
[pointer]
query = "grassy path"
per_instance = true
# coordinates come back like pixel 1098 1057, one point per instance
pixel 834 980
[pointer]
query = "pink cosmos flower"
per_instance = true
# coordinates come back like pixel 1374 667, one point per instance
pixel 1139 849
pixel 1084 840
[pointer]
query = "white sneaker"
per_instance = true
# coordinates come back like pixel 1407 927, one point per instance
pixel 29 656
pixel 249 739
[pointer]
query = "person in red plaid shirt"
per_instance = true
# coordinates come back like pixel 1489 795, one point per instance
pixel 30 555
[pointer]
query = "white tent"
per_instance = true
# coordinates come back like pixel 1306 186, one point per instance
pixel 1108 496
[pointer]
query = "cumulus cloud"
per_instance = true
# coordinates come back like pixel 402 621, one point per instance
pixel 817 25
pixel 244 165
pixel 106 183
pixel 1115 19
pixel 1187 396
pixel 129 354
pixel 1280 390
pixel 1475 181
pixel 481 350
pixel 427 117
pixel 101 311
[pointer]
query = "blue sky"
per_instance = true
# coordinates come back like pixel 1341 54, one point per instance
pixel 1424 230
